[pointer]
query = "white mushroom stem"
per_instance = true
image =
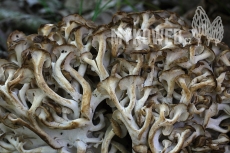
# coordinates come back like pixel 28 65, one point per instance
pixel 186 93
pixel 19 48
pixel 82 69
pixel 138 135
pixel 150 77
pixel 222 139
pixel 100 55
pixel 151 63
pixel 12 99
pixel 159 122
pixel 180 140
pixel 69 124
pixel 224 107
pixel 81 146
pixel 201 80
pixel 220 80
pixel 107 139
pixel 214 124
pixel 7 146
pixel 118 146
pixel 79 33
pixel 194 110
pixel 96 99
pixel 38 96
pixel 19 145
pixel 166 143
pixel 169 76
pixel 205 54
pixel 62 81
pixel 87 58
pixel 38 59
pixel 22 93
pixel 199 131
pixel 178 113
pixel 178 56
pixel 40 149
pixel 108 87
pixel 85 103
pixel 129 83
pixel 38 131
pixel 212 111
pixel 140 103
pixel 201 149
pixel 157 145
pixel 225 58
pixel 99 125
pixel 136 70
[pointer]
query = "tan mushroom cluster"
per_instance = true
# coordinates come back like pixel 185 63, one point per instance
pixel 78 87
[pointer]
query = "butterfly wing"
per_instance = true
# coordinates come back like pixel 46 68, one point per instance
pixel 217 30
pixel 200 23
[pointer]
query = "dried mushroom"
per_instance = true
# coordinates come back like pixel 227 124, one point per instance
pixel 78 87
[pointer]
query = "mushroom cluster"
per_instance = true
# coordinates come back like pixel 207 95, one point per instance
pixel 78 87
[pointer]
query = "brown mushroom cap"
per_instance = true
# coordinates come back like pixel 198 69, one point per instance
pixel 14 37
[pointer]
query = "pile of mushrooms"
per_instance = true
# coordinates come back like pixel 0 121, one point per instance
pixel 78 87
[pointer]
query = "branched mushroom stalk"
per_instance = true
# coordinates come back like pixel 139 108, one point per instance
pixel 79 87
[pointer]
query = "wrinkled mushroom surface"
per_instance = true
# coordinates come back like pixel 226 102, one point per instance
pixel 78 87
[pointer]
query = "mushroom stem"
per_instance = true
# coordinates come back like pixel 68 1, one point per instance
pixel 180 137
pixel 160 121
pixel 44 136
pixel 86 97
pixel 10 97
pixel 108 137
pixel 214 124
pixel 62 81
pixel 100 56
pixel 38 59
